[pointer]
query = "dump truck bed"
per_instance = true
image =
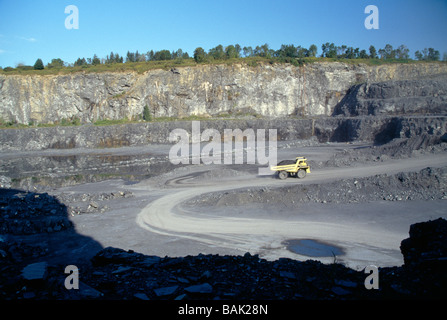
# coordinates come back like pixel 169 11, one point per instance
pixel 299 163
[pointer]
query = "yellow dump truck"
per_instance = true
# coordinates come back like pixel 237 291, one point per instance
pixel 295 168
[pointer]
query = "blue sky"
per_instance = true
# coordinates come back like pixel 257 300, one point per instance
pixel 31 29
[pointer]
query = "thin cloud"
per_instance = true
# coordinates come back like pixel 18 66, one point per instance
pixel 29 39
pixel 2 51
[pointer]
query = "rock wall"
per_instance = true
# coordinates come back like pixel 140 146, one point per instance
pixel 423 96
pixel 276 90
pixel 341 129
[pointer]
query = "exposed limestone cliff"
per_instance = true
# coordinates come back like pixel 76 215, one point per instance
pixel 269 90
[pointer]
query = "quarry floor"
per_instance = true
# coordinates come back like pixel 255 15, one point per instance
pixel 163 215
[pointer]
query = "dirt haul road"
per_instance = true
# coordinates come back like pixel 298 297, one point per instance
pixel 374 240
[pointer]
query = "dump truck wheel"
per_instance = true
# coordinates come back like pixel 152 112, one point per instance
pixel 301 174
pixel 283 175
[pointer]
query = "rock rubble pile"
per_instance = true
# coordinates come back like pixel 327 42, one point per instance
pixel 113 273
pixel 91 203
pixel 29 213
pixel 427 184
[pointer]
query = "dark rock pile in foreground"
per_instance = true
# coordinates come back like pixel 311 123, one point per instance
pixel 24 213
pixel 115 273
pixel 118 274
pixel 27 272
pixel 426 245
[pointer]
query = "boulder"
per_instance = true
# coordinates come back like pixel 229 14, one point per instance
pixel 427 243
pixel 35 271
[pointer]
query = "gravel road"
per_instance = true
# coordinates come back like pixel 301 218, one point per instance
pixel 258 231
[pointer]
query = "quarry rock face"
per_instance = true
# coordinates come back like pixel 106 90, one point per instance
pixel 273 90
pixel 395 97
pixel 325 129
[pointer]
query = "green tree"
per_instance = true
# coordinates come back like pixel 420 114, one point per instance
pixel 341 51
pixel 110 58
pixel 287 51
pixel 177 55
pixel 248 51
pixel 95 60
pixel 265 51
pixel 350 53
pixel 146 114
pixel 217 52
pixel 238 49
pixel 231 52
pixel 130 56
pixel 199 55
pixel 389 52
pixel 372 52
pixel 402 52
pixel 329 50
pixel 114 58
pixel 428 54
pixel 433 55
pixel 80 62
pixel 137 56
pixel 56 63
pixel 332 51
pixel 418 55
pixel 150 55
pixel 312 52
pixel 38 65
pixel 162 55
pixel 302 52
pixel 363 54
